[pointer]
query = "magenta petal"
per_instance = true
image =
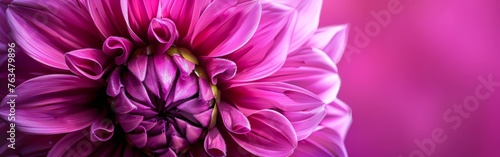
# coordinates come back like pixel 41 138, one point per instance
pixel 102 130
pixel 266 51
pixel 138 66
pixel 193 133
pixel 107 17
pixel 332 40
pixel 271 135
pixel 134 87
pixel 185 87
pixel 129 122
pixel 156 141
pixel 54 32
pixel 72 142
pixel 233 119
pixel 118 48
pixel 138 137
pixel 151 79
pixel 214 143
pixel 138 14
pixel 220 69
pixel 308 12
pixel 166 72
pixel 163 32
pixel 90 63
pixel 311 69
pixel 225 26
pixel 204 117
pixel 260 95
pixel 114 84
pixel 304 122
pixel 185 14
pixel 206 93
pixel 194 106
pixel 55 104
pixel 323 142
pixel 186 67
pixel 122 104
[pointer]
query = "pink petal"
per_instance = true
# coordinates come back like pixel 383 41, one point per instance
pixel 102 130
pixel 304 122
pixel 118 48
pixel 162 32
pixel 225 26
pixel 214 143
pixel 266 51
pixel 138 14
pixel 311 69
pixel 332 40
pixel 90 63
pixel 302 108
pixel 53 31
pixel 185 14
pixel 233 119
pixel 55 104
pixel 220 69
pixel 271 135
pixel 307 21
pixel 338 117
pixel 323 142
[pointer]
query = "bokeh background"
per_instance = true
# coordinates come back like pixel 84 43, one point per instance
pixel 427 58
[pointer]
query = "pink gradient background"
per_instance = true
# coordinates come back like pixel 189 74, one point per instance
pixel 428 58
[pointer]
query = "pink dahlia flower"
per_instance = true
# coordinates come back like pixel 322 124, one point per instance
pixel 174 78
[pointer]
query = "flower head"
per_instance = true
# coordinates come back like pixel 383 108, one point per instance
pixel 178 78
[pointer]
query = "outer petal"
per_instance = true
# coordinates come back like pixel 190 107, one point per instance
pixel 266 51
pixel 272 135
pixel 107 17
pixel 332 40
pixel 262 95
pixel 78 143
pixel 54 104
pixel 185 14
pixel 323 142
pixel 25 145
pixel 225 26
pixel 338 117
pixel 307 21
pixel 138 14
pixel 302 108
pixel 47 30
pixel 310 69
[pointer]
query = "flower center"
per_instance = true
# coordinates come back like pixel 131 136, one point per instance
pixel 163 101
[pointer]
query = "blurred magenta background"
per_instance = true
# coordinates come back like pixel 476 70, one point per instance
pixel 428 58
